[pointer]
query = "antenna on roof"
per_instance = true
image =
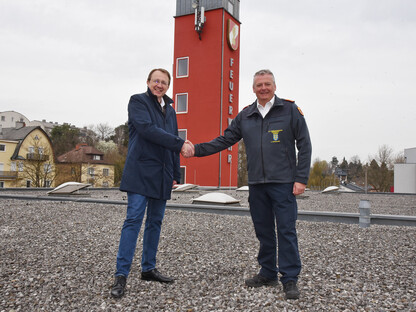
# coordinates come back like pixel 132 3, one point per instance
pixel 199 17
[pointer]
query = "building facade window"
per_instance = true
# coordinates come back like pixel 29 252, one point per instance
pixel 28 183
pixel 13 166
pixel 106 172
pixel 20 166
pixel 31 149
pixel 96 157
pixel 2 147
pixel 3 118
pixel 1 184
pixel 47 168
pixel 181 103
pixel 182 67
pixel 182 133
pixel 105 184
pixel 91 171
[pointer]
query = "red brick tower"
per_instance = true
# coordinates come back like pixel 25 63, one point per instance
pixel 206 83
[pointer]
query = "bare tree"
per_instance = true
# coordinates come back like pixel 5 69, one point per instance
pixel 121 135
pixel 384 155
pixel 399 158
pixel 39 165
pixel 89 136
pixel 104 131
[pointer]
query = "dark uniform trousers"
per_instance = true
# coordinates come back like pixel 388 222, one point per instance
pixel 274 204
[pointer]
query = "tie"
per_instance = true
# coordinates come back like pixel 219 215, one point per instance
pixel 164 109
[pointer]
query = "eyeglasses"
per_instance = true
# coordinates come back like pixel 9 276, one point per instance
pixel 162 82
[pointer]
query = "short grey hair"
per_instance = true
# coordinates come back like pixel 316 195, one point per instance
pixel 263 72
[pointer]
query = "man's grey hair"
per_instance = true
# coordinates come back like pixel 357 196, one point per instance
pixel 264 72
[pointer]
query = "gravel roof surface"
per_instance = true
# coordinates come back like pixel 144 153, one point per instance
pixel 60 256
pixel 389 204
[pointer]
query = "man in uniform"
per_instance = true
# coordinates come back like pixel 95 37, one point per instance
pixel 272 129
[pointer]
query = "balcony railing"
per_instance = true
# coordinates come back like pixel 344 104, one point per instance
pixel 8 174
pixel 35 156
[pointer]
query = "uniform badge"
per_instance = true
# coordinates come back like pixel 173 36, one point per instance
pixel 275 135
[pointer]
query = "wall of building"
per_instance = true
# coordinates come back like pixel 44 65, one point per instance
pixel 405 178
pixel 25 165
pixel 98 179
pixel 212 66
pixel 8 119
pixel 7 176
pixel 36 139
pixel 410 155
pixel 405 174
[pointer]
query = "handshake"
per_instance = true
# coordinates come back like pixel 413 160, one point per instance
pixel 188 149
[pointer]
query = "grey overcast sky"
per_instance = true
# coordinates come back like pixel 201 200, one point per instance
pixel 350 65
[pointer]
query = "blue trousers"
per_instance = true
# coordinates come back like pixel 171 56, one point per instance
pixel 136 207
pixel 273 205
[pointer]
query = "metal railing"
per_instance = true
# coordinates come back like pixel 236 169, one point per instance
pixel 8 174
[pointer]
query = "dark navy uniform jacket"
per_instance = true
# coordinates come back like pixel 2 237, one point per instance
pixel 152 161
pixel 270 143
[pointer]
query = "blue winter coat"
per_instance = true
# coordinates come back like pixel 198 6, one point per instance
pixel 152 161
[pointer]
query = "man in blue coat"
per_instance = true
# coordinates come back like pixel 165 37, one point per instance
pixel 150 171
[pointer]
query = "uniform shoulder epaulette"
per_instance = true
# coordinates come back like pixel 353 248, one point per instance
pixel 291 101
pixel 300 111
pixel 245 107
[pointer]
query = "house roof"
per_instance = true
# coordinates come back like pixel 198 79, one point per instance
pixel 19 135
pixel 340 172
pixel 83 154
pixel 14 134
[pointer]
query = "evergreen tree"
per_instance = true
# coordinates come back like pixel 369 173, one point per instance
pixel 64 138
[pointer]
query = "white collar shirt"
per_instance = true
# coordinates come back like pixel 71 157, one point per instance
pixel 162 103
pixel 266 108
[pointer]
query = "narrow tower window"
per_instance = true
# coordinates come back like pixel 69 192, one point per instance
pixel 181 103
pixel 182 67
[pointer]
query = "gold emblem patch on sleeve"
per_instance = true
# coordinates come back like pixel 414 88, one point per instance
pixel 300 111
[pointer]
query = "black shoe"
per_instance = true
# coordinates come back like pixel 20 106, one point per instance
pixel 154 275
pixel 117 291
pixel 259 280
pixel 291 290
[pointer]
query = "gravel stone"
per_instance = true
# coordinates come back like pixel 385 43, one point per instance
pixel 60 256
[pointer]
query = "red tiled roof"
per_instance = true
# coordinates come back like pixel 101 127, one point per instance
pixel 83 154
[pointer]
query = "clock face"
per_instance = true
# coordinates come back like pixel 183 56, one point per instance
pixel 233 34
